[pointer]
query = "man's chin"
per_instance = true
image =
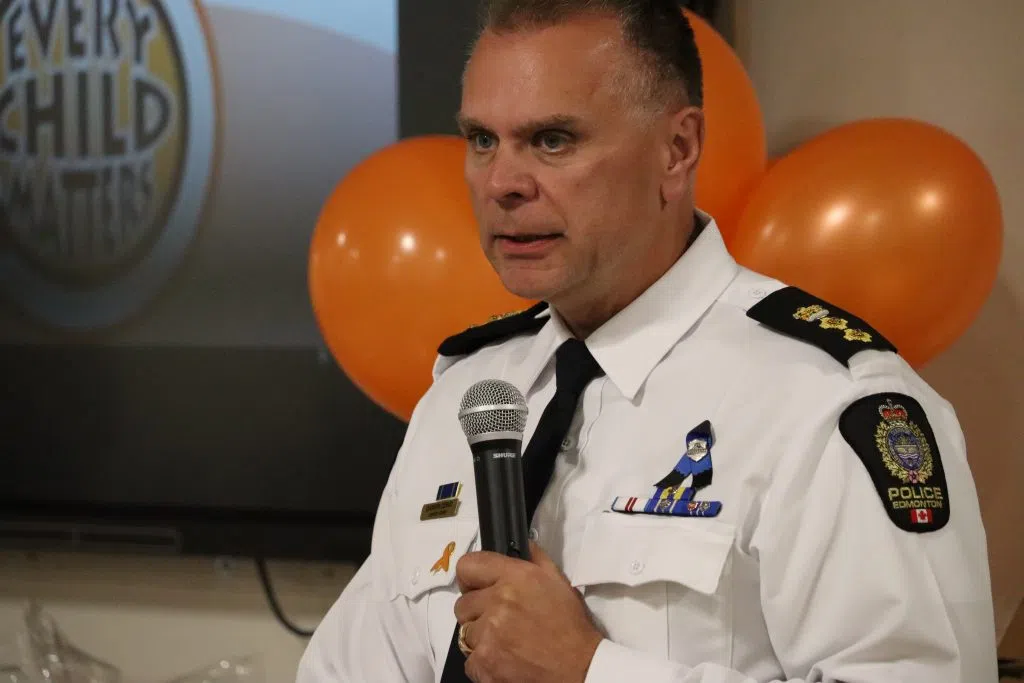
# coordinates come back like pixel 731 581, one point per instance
pixel 529 285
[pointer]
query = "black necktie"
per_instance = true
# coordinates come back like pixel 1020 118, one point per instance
pixel 575 368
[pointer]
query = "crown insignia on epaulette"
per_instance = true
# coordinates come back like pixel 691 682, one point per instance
pixel 857 335
pixel 820 315
pixel 799 314
pixel 810 313
pixel 499 316
pixel 497 327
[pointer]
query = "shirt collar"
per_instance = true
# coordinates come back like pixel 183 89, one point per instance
pixel 633 342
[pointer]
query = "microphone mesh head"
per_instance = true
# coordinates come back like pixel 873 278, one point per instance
pixel 492 406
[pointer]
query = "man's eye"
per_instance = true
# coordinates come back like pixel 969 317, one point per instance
pixel 481 141
pixel 552 140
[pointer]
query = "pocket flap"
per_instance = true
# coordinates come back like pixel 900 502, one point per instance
pixel 637 549
pixel 426 559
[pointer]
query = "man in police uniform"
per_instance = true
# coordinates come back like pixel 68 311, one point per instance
pixel 828 531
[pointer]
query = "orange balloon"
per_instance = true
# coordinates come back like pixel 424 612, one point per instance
pixel 396 266
pixel 735 149
pixel 897 221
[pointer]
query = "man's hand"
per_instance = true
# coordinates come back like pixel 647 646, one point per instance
pixel 524 621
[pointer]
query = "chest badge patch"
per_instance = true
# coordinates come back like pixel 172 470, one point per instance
pixel 670 496
pixel 446 504
pixel 891 435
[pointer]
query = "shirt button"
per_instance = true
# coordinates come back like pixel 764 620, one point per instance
pixel 415 577
pixel 534 534
pixel 758 293
pixel 568 443
pixel 636 567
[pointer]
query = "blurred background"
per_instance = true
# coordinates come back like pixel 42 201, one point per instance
pixel 193 436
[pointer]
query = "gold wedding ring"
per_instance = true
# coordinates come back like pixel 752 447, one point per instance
pixel 466 649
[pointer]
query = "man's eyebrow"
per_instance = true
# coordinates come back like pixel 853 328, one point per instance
pixel 466 123
pixel 527 129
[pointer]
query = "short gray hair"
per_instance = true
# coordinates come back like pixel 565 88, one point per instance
pixel 658 31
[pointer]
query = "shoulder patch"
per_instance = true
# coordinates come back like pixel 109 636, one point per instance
pixel 497 328
pixel 891 435
pixel 796 313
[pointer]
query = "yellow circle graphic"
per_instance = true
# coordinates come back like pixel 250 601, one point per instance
pixel 107 132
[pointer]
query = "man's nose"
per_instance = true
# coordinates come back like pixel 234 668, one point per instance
pixel 509 180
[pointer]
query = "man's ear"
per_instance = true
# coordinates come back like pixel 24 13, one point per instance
pixel 684 144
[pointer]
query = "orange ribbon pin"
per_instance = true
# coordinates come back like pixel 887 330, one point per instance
pixel 446 557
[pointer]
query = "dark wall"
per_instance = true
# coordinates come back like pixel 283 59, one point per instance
pixel 433 48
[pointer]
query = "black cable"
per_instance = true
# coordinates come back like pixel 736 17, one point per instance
pixel 261 567
pixel 1011 668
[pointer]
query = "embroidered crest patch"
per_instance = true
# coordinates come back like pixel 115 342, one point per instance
pixel 891 435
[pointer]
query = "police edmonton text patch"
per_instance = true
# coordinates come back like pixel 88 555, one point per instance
pixel 891 435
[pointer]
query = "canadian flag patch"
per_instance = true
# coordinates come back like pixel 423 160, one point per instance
pixel 921 516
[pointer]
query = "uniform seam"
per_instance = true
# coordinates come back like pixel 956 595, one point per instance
pixel 582 443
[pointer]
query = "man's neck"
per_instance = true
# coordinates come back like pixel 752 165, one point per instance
pixel 584 318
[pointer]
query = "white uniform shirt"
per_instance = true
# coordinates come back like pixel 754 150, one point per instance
pixel 801 577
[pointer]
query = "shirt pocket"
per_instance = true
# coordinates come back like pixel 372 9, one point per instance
pixel 659 584
pixel 425 558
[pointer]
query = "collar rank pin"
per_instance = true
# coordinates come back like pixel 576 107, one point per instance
pixel 446 504
pixel 670 496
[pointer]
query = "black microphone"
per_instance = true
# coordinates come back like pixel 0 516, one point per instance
pixel 493 418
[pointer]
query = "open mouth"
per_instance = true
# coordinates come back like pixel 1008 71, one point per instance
pixel 526 246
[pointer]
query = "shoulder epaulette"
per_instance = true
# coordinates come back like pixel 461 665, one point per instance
pixel 839 333
pixel 496 329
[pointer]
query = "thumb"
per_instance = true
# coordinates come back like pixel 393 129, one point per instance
pixel 544 561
